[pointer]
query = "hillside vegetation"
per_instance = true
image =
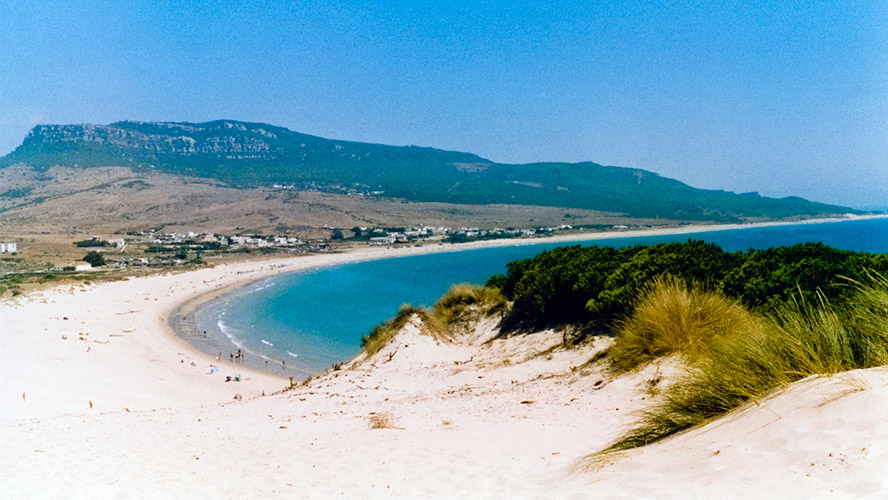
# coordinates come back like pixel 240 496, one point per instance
pixel 596 286
pixel 246 155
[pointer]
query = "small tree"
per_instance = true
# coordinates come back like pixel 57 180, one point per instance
pixel 337 235
pixel 95 259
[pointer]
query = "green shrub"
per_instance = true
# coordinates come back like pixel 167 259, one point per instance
pixel 92 243
pixel 595 286
pixel 94 258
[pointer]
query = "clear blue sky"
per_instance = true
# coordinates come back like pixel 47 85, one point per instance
pixel 785 97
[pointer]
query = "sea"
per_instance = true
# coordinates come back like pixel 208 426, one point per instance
pixel 303 323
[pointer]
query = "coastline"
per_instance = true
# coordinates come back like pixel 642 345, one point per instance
pixel 213 341
pixel 136 338
pixel 124 413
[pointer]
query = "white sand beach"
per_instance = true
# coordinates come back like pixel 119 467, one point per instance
pixel 101 400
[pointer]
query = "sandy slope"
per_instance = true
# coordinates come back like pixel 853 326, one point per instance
pixel 430 420
pixel 473 419
pixel 824 437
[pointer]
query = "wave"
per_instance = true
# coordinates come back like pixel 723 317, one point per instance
pixel 263 287
pixel 230 333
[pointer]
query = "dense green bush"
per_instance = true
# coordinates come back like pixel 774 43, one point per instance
pixel 597 285
pixel 95 259
pixel 92 243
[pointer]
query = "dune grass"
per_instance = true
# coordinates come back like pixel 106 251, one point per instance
pixel 382 333
pixel 463 299
pixel 747 362
pixel 454 306
pixel 674 317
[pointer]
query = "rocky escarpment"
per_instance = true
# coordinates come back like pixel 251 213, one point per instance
pixel 224 139
pixel 168 138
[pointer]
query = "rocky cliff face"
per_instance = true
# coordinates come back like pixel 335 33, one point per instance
pixel 227 139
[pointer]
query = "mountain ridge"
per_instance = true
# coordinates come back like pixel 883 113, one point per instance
pixel 246 154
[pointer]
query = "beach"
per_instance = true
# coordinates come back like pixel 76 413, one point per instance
pixel 102 399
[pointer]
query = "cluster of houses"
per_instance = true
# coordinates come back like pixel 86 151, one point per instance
pixel 192 241
pixel 179 238
pixel 355 190
pixel 389 237
pixel 469 234
pixel 78 265
pixel 125 262
pixel 191 238
pixel 261 242
pixel 119 244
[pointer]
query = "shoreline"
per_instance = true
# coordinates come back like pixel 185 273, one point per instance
pixel 79 348
pixel 129 409
pixel 214 341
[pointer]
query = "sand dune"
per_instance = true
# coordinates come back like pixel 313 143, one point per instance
pixel 124 413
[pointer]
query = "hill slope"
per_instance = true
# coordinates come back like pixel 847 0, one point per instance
pixel 251 155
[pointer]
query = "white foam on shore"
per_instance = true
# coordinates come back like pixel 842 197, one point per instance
pixel 269 284
pixel 229 332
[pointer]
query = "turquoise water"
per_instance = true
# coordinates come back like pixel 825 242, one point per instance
pixel 310 320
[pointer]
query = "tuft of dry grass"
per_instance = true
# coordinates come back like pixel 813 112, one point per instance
pixel 866 315
pixel 461 303
pixel 798 340
pixel 464 300
pixel 382 333
pixel 673 317
pixel 382 421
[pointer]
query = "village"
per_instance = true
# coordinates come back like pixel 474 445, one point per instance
pixel 154 248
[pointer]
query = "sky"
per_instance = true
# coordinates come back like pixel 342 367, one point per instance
pixel 779 97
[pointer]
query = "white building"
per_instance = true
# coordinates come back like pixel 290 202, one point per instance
pixel 383 240
pixel 8 247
